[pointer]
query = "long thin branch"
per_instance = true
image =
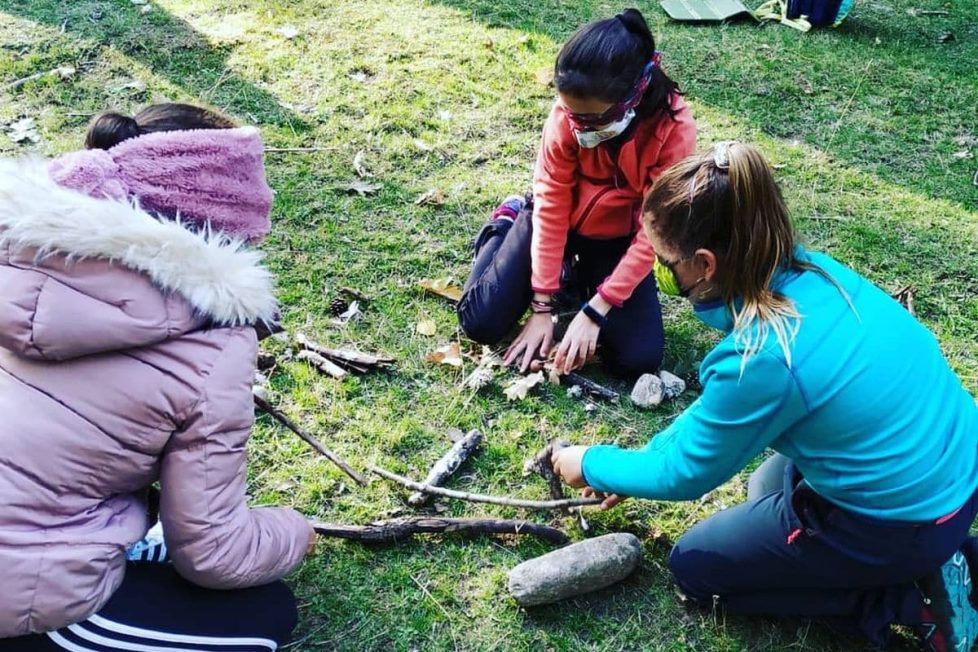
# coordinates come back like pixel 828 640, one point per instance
pixel 482 498
pixel 309 439
pixel 400 529
pixel 594 389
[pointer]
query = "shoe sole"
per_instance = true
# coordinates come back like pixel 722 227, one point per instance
pixel 956 575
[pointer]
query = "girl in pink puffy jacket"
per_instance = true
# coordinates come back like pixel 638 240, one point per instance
pixel 127 354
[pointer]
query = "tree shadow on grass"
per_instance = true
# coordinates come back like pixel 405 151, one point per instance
pixel 880 93
pixel 167 45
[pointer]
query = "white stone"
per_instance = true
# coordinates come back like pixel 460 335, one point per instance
pixel 648 391
pixel 672 385
pixel 579 568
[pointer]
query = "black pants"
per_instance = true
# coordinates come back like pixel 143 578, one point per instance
pixel 793 553
pixel 156 609
pixel 498 293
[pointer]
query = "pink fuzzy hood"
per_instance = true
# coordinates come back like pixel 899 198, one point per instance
pixel 204 177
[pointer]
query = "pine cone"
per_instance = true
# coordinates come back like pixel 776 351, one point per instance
pixel 338 307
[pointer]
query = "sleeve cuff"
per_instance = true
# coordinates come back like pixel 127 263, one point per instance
pixel 615 301
pixel 591 466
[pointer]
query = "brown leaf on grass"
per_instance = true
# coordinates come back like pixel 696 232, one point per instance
pixel 434 197
pixel 443 287
pixel 362 188
pixel 805 86
pixel 518 389
pixel 489 44
pixel 361 171
pixel 449 354
pixel 426 327
pixel 553 373
pixel 544 76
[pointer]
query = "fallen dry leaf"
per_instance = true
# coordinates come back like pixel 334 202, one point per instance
pixel 963 154
pixel 434 197
pixel 442 287
pixel 517 390
pixel 481 377
pixel 288 31
pixel 426 327
pixel 544 76
pixel 421 145
pixel 946 37
pixel 362 188
pixel 449 354
pixel 553 373
pixel 353 313
pixel 489 44
pixel 24 130
pixel 361 171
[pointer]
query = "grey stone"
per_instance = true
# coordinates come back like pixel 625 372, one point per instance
pixel 648 391
pixel 672 385
pixel 579 568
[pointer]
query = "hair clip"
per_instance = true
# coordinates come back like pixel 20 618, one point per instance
pixel 721 154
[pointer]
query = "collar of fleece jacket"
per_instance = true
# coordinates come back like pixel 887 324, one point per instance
pixel 218 276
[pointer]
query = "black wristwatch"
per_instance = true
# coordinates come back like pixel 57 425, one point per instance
pixel 594 315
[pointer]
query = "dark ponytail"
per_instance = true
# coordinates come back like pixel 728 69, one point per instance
pixel 604 59
pixel 109 129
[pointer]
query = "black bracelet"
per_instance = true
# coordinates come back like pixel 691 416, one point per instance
pixel 594 315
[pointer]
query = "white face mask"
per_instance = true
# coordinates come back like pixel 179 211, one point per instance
pixel 591 139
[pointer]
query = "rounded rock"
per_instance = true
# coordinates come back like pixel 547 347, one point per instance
pixel 576 569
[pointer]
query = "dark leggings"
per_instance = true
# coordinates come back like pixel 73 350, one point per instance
pixel 156 609
pixel 497 293
pixel 790 552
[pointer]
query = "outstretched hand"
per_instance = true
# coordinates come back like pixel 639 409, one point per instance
pixel 568 465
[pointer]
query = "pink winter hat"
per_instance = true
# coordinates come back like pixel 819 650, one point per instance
pixel 204 177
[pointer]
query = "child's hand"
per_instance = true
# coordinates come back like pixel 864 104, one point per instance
pixel 608 500
pixel 567 465
pixel 535 339
pixel 579 344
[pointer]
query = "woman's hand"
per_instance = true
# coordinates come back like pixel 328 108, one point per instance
pixel 581 339
pixel 535 339
pixel 567 465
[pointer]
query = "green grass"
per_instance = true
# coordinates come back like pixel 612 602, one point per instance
pixel 864 123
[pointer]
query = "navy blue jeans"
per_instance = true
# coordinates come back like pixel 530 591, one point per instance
pixel 497 293
pixel 793 553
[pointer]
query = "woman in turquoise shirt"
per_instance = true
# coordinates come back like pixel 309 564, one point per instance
pixel 877 439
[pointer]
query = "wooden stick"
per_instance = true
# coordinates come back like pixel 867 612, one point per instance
pixel 483 498
pixel 591 387
pixel 347 358
pixel 542 464
pixel 400 529
pixel 297 150
pixel 321 363
pixel 447 465
pixel 309 439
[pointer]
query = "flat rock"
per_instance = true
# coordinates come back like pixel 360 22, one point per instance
pixel 575 569
pixel 648 391
pixel 672 385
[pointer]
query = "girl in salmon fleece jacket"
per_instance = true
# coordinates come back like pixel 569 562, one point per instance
pixel 618 123
pixel 127 354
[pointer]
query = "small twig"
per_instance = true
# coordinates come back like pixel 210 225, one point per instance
pixel 542 464
pixel 396 530
pixel 933 12
pixel 448 464
pixel 23 80
pixel 356 294
pixel 309 439
pixel 594 389
pixel 483 498
pixel 322 364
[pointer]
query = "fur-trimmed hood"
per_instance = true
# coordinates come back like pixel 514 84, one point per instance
pixel 76 271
